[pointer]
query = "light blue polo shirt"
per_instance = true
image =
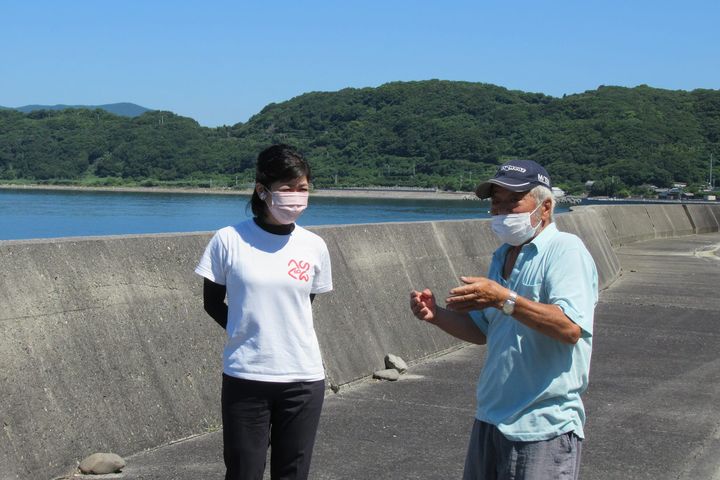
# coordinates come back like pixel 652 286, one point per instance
pixel 530 384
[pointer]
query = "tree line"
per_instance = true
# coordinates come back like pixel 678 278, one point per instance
pixel 434 133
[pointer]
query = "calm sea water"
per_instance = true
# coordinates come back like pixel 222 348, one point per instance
pixel 26 214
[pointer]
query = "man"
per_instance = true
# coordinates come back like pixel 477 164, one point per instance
pixel 535 313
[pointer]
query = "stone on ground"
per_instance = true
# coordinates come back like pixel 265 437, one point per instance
pixel 102 463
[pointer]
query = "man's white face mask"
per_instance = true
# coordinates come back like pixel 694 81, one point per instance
pixel 515 228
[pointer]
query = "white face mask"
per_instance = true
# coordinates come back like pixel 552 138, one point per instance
pixel 286 207
pixel 514 228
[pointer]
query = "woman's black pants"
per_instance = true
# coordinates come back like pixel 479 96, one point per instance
pixel 256 415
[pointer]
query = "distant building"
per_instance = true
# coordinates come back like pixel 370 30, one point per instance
pixel 675 193
pixel 669 193
pixel 558 192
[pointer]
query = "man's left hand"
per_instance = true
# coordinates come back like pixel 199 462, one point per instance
pixel 476 294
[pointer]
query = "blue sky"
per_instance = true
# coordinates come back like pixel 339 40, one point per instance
pixel 220 62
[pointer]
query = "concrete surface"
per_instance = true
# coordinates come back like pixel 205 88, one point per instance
pixel 651 405
pixel 669 221
pixel 101 350
pixel 105 346
pixel 704 218
pixel 626 224
pixel 586 223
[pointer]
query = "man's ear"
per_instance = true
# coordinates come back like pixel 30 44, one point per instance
pixel 546 206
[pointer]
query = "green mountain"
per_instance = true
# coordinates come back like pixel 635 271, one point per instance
pixel 125 109
pixel 427 134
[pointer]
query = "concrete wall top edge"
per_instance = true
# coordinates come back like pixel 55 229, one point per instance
pixel 103 238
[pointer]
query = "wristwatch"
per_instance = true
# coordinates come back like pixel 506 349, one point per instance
pixel 509 306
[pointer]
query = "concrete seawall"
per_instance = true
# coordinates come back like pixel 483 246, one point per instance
pixel 105 346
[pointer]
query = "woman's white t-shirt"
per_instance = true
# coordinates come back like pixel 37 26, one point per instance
pixel 269 279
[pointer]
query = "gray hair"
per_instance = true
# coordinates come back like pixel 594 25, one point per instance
pixel 541 194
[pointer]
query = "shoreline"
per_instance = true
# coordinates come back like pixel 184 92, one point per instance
pixel 336 193
pixel 368 192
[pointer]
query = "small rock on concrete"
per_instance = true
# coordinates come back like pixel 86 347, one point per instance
pixel 102 463
pixel 389 374
pixel 393 361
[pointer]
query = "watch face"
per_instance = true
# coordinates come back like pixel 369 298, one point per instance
pixel 508 307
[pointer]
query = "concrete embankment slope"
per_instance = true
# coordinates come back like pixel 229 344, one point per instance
pixel 105 347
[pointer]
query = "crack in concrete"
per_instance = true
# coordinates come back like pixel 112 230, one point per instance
pixel 61 312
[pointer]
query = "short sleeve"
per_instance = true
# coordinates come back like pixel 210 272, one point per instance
pixel 322 280
pixel 213 261
pixel 572 284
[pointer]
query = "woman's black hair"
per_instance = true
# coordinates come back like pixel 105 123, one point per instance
pixel 277 163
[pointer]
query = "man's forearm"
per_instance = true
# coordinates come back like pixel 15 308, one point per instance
pixel 547 319
pixel 459 325
pixel 479 293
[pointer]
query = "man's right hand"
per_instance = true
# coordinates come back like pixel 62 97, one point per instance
pixel 423 305
pixel 457 324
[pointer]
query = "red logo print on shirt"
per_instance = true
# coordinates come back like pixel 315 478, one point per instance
pixel 298 270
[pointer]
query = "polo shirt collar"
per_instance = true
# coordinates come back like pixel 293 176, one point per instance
pixel 542 240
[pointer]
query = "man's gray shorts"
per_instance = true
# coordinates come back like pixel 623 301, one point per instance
pixel 491 456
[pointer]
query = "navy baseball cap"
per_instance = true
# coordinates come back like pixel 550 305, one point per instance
pixel 517 176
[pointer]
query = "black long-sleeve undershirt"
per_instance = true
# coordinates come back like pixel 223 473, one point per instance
pixel 214 293
pixel 214 302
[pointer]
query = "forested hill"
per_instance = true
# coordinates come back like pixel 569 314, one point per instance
pixel 125 109
pixel 428 134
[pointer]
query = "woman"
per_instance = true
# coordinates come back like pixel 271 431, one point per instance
pixel 270 269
